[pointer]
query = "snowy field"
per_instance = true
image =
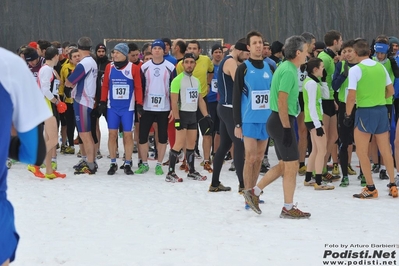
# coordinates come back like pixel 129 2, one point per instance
pixel 143 220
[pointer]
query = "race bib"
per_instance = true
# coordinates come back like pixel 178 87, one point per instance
pixel 156 101
pixel 191 95
pixel 120 92
pixel 214 85
pixel 56 85
pixel 260 100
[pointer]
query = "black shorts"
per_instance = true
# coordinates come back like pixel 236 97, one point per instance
pixel 300 101
pixel 329 107
pixel 188 120
pixel 136 116
pixel 149 117
pixel 275 130
pixel 310 125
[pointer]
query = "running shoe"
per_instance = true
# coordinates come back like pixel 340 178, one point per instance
pixel 173 178
pixel 128 170
pixel 196 176
pixel 54 174
pixel 35 170
pixel 376 168
pixel 232 167
pixel 219 188
pixel 344 182
pixel 393 190
pixel 310 183
pixel 383 175
pixel 112 169
pixel 99 155
pixel 367 194
pixel 142 169
pixel 69 150
pixel 323 186
pixel 252 200
pixel 351 171
pixel 302 171
pixel 335 171
pixel 208 167
pixel 294 213
pixel 158 170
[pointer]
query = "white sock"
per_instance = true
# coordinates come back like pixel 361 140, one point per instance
pixel 383 167
pixel 288 206
pixel 257 190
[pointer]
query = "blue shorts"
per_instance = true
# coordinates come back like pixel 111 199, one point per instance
pixel 82 116
pixel 373 120
pixel 255 131
pixel 8 235
pixel 124 116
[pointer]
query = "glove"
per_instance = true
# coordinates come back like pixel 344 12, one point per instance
pixel 287 137
pixel 13 151
pixel 346 68
pixel 324 77
pixel 348 120
pixel 139 109
pixel 319 131
pixel 208 120
pixel 101 108
pixel 177 124
pixel 61 107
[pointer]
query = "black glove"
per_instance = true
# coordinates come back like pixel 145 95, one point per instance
pixel 139 109
pixel 324 77
pixel 177 124
pixel 287 137
pixel 13 151
pixel 208 120
pixel 319 131
pixel 346 68
pixel 348 120
pixel 101 108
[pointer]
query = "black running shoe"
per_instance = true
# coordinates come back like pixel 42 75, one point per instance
pixel 112 169
pixel 128 169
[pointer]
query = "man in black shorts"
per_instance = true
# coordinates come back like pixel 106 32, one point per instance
pixel 185 100
pixel 280 126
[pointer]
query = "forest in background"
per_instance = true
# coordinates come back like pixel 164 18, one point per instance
pixel 23 21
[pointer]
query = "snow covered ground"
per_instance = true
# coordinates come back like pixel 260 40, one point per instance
pixel 142 220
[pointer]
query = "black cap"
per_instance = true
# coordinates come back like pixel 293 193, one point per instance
pixel 188 55
pixel 319 45
pixel 241 46
pixel 217 47
pixel 277 47
pixel 167 40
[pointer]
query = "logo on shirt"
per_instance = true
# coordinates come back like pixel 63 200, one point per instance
pixel 252 72
pixel 127 72
pixel 157 72
pixel 265 75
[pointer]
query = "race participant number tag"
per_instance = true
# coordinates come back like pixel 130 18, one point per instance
pixel 191 95
pixel 214 85
pixel 120 92
pixel 260 100
pixel 156 101
pixel 56 85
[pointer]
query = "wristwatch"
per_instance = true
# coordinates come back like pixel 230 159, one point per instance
pixel 238 126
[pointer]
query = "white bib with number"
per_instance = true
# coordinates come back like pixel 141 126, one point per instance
pixel 260 100
pixel 120 92
pixel 156 101
pixel 214 85
pixel 191 95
